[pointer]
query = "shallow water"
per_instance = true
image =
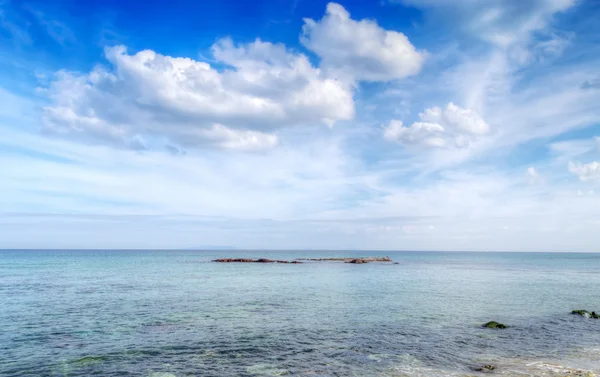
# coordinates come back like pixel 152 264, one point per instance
pixel 174 313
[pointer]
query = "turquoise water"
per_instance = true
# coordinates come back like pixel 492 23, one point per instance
pixel 174 313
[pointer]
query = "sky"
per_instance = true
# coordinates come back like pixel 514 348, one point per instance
pixel 382 125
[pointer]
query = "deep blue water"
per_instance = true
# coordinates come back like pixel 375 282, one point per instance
pixel 174 313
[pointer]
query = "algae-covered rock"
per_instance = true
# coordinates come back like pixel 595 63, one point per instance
pixel 494 325
pixel 583 313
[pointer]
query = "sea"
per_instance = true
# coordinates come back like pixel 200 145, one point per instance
pixel 176 314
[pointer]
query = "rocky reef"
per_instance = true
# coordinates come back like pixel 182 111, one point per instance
pixel 248 260
pixel 348 260
pixel 297 261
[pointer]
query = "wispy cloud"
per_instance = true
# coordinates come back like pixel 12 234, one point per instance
pixel 17 31
pixel 56 29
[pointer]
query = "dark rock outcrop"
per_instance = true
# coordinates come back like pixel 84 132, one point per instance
pixel 349 260
pixel 298 261
pixel 494 325
pixel 234 260
pixel 488 368
pixel 248 260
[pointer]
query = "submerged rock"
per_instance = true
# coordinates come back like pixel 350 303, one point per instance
pixel 494 325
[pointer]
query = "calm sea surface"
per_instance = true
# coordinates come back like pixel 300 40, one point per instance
pixel 174 313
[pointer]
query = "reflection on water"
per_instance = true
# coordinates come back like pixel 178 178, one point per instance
pixel 166 314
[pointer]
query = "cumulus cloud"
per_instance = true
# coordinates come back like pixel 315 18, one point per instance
pixel 147 96
pixel 585 172
pixel 452 126
pixel 428 134
pixel 360 50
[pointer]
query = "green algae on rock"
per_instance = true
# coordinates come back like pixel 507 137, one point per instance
pixel 586 314
pixel 494 325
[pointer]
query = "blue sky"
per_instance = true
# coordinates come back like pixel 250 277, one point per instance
pixel 390 125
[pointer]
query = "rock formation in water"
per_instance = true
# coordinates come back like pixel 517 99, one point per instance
pixel 248 260
pixel 297 261
pixel 349 260
pixel 488 368
pixel 494 325
pixel 585 313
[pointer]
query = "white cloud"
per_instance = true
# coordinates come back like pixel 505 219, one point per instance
pixel 533 176
pixel 149 96
pixel 574 148
pixel 532 173
pixel 462 120
pixel 581 193
pixel 449 127
pixel 310 195
pixel 360 49
pixel 585 172
pixel 428 134
pixel 241 140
